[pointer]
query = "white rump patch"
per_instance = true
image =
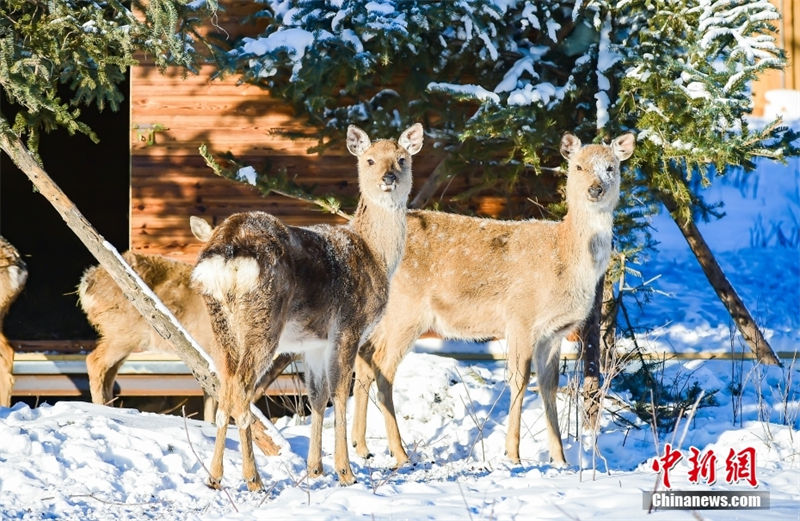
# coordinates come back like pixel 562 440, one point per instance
pixel 218 277
pixel 17 278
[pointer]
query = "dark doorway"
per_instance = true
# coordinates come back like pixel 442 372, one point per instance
pixel 96 177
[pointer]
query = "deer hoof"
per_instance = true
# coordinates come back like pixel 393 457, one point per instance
pixel 401 461
pixel 214 483
pixel 346 477
pixel 513 458
pixel 254 484
pixel 315 471
pixel 362 451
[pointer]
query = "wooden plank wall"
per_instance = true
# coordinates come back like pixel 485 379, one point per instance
pixel 788 35
pixel 170 181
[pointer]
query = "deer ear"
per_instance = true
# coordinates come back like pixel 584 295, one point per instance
pixel 623 146
pixel 357 140
pixel 200 228
pixel 411 138
pixel 569 145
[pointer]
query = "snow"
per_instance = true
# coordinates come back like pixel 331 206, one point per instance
pixel 247 174
pixel 84 462
pixel 782 102
pixel 605 60
pixel 294 40
pixel 472 91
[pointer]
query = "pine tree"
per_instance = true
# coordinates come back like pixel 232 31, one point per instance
pixel 56 56
pixel 497 82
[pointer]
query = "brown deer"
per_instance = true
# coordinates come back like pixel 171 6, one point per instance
pixel 315 290
pixel 13 274
pixel 123 331
pixel 531 282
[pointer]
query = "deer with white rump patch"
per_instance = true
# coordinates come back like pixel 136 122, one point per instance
pixel 315 290
pixel 530 282
pixel 13 274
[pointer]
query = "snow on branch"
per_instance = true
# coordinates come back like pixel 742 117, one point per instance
pixel 465 91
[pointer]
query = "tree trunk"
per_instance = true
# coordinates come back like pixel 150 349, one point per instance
pixel 741 316
pixel 608 323
pixel 590 356
pixel 430 185
pixel 132 286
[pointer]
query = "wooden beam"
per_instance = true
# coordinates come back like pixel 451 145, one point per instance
pixel 75 385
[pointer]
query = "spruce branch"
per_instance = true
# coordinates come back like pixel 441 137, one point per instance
pixel 271 182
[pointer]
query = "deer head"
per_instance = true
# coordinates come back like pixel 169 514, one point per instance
pixel 384 167
pixel 594 169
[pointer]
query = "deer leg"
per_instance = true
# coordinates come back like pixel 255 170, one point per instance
pixel 364 378
pixel 209 408
pixel 341 374
pixel 547 358
pixel 222 417
pixel 391 340
pixel 102 366
pixel 519 374
pixel 385 383
pixel 244 419
pixel 6 371
pixel 318 398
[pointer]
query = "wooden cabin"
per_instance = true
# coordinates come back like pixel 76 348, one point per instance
pixel 138 187
pixel 788 35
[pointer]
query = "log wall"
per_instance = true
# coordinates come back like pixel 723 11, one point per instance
pixel 172 115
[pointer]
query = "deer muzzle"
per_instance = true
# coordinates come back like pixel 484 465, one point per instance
pixel 388 182
pixel 596 191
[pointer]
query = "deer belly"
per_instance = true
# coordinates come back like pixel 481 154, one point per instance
pixel 315 350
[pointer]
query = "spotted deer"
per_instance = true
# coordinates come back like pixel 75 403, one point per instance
pixel 315 290
pixel 530 282
pixel 13 274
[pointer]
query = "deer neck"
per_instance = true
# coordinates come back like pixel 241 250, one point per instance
pixel 383 229
pixel 586 239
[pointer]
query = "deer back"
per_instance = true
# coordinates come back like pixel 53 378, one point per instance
pixel 13 274
pixel 112 315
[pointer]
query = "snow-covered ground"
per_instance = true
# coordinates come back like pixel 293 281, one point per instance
pixel 79 461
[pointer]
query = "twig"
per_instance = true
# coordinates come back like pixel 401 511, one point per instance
pixel 464 497
pixel 689 418
pixel 105 501
pixel 284 189
pixel 376 484
pixel 191 446
pixel 574 518
pixel 478 424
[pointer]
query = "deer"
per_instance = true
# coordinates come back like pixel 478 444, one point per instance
pixel 13 274
pixel 530 282
pixel 316 290
pixel 121 328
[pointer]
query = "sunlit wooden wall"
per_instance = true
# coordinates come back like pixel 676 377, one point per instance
pixel 172 116
pixel 788 35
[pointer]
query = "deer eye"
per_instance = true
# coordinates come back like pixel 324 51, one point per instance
pixel 370 162
pixel 401 161
pixel 578 167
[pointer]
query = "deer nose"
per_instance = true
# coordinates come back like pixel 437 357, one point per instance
pixel 388 182
pixel 596 191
